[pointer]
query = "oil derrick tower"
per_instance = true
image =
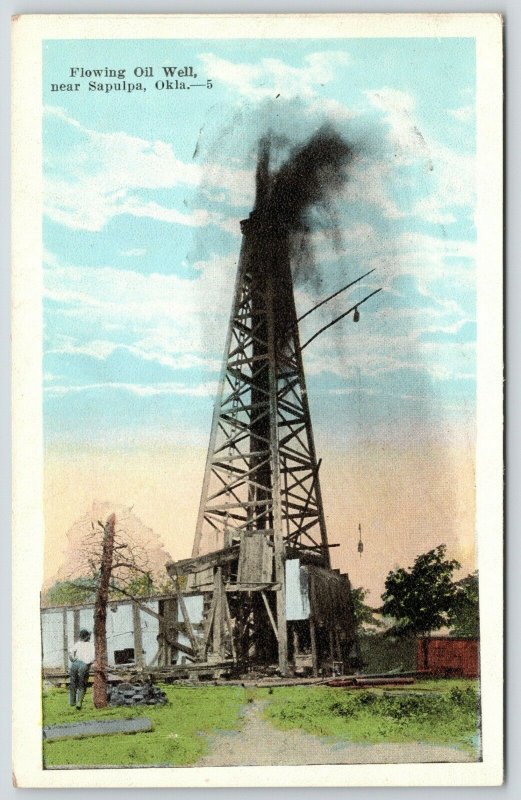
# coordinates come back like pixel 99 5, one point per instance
pixel 260 562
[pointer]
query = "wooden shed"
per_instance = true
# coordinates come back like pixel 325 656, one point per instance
pixel 238 592
pixel 448 656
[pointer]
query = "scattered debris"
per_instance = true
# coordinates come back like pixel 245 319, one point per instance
pixel 359 683
pixel 136 694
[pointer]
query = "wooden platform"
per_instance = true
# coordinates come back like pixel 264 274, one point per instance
pixel 75 730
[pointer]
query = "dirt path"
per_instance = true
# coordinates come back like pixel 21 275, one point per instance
pixel 259 744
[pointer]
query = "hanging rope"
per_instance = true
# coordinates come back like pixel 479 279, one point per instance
pixel 356 318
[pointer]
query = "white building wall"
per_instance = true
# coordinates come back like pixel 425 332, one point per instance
pixel 194 607
pixel 149 631
pixel 297 591
pixel 120 631
pixel 52 639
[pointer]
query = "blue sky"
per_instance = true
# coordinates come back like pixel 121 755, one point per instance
pixel 143 195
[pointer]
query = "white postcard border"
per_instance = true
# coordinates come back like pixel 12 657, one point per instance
pixel 28 33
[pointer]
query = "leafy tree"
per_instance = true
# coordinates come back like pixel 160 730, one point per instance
pixel 422 598
pixel 464 617
pixel 69 593
pixel 119 565
pixel 84 537
pixel 363 613
pixel 83 589
pixel 138 585
pixel 76 581
pixel 106 561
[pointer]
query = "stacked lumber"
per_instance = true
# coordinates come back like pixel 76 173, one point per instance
pixel 370 682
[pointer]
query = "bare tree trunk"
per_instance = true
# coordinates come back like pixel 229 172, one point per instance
pixel 100 615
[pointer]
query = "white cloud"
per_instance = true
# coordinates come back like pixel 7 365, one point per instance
pixel 448 175
pixel 153 349
pixel 96 348
pixel 165 318
pixel 343 390
pixel 382 355
pixel 181 323
pixel 207 389
pixel 369 182
pixel 332 109
pixel 425 257
pixel 178 323
pixel 104 175
pixel 138 208
pixel 455 175
pixel 463 113
pixel 392 337
pixel 406 139
pixel 431 210
pixel 434 299
pixel 272 76
pixel 49 377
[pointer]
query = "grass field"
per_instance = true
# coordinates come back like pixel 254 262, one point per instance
pixel 434 711
pixel 441 712
pixel 176 739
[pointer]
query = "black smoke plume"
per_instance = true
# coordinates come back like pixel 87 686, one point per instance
pixel 310 177
pixel 279 231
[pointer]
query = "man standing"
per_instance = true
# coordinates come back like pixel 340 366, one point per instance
pixel 81 657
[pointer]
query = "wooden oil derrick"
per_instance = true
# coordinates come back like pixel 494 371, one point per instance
pixel 261 502
pixel 261 479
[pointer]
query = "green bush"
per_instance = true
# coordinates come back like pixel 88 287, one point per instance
pixel 450 715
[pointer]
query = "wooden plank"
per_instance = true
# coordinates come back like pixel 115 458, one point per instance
pixel 178 627
pixel 255 558
pixel 200 666
pixel 147 610
pixel 208 626
pixel 229 625
pixel 184 610
pixel 98 727
pixel 203 578
pixel 168 617
pixel 76 624
pixel 267 563
pixel 270 615
pixel 65 641
pixel 189 628
pixel 183 648
pixel 246 570
pixel 238 481
pixel 314 655
pixel 242 456
pixel 217 406
pixel 138 638
pixel 218 613
pixel 156 656
pixel 278 535
pixel 188 565
pixel 251 587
